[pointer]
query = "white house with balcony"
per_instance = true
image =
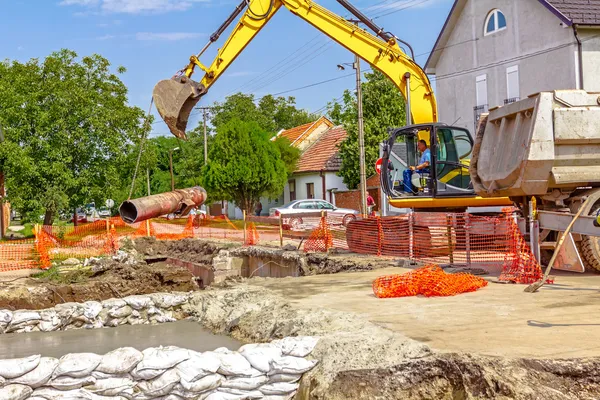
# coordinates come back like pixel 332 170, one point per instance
pixel 494 52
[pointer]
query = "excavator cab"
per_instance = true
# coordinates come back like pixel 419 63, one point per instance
pixel 175 99
pixel 448 175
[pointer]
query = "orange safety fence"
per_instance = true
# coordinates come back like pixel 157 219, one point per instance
pixel 18 254
pixel 428 281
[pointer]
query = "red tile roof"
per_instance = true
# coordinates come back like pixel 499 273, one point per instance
pixel 323 154
pixel 299 133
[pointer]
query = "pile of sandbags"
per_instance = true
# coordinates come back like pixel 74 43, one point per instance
pixel 131 310
pixel 256 371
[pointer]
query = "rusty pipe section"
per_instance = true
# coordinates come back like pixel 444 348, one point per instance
pixel 180 202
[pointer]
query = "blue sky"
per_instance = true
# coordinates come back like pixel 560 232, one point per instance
pixel 154 38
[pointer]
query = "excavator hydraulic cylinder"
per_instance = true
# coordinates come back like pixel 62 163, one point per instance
pixel 179 202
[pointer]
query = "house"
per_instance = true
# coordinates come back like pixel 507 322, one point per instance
pixel 494 52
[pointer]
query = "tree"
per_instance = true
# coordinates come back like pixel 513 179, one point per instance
pixel 244 164
pixel 383 107
pixel 68 127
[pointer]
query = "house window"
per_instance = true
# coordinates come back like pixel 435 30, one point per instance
pixel 310 190
pixel 512 84
pixel 292 185
pixel 495 22
pixel 481 91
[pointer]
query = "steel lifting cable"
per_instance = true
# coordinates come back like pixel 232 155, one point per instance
pixel 142 142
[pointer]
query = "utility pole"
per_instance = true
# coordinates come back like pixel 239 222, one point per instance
pixel 204 117
pixel 171 168
pixel 2 223
pixel 148 179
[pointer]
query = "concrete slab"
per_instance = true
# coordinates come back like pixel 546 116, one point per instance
pixel 560 321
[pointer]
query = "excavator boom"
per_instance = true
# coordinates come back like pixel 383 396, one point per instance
pixel 175 98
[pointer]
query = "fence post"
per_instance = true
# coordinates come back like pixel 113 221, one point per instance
pixel 280 230
pixel 449 233
pixel 468 238
pixel 148 228
pixel 107 226
pixel 411 236
pixel 244 214
pixel 379 236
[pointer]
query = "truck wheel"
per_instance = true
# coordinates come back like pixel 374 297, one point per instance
pixel 589 247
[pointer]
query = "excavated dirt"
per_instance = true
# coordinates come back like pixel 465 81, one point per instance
pixel 193 250
pixel 360 360
pixel 114 281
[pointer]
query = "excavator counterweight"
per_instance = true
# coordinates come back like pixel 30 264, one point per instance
pixel 174 100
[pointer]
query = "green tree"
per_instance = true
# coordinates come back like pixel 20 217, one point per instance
pixel 68 128
pixel 244 164
pixel 383 107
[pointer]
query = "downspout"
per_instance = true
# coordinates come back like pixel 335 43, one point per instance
pixel 324 185
pixel 580 56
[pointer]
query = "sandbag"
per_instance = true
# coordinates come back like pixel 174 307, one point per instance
pixel 22 319
pixel 15 392
pixel 55 394
pixel 146 374
pixel 289 396
pixel 168 300
pixel 91 309
pixel 279 388
pixel 120 361
pixel 244 383
pixel 153 311
pixel 69 312
pixel 198 366
pixel 66 382
pixel 113 304
pixel 15 367
pixel 162 318
pixel 40 375
pixel 77 365
pixel 219 395
pixel 121 312
pixel 138 302
pixel 232 364
pixel 260 356
pixel 97 324
pixel 291 378
pixel 162 357
pixel 114 322
pixel 160 386
pixel 203 384
pixel 242 394
pixel 299 346
pixel 5 317
pixel 113 387
pixel 102 375
pixel 291 365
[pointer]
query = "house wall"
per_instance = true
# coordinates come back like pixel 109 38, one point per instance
pixel 590 42
pixel 331 181
pixel 532 30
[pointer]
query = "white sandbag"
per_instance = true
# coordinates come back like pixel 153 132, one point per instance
pixel 2 381
pixel 138 302
pixel 15 392
pixel 162 357
pixel 198 366
pixel 55 394
pixel 279 388
pixel 69 312
pixel 232 363
pixel 5 316
pixel 22 319
pixel 120 312
pixel 160 386
pixel 102 375
pixel 114 322
pixel 162 318
pixel 288 396
pixel 40 375
pixel 15 367
pixel 203 384
pixel 146 374
pixel 242 394
pixel 179 391
pixel 260 356
pixel 291 365
pixel 97 324
pixel 168 300
pixel 50 326
pixel 69 383
pixel 113 304
pixel 77 365
pixel 291 378
pixel 299 346
pixel 219 395
pixel 113 387
pixel 154 311
pixel 120 361
pixel 91 309
pixel 244 383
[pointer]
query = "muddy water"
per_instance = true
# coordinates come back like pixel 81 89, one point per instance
pixel 186 334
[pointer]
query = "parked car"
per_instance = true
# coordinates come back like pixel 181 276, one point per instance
pixel 294 210
pixel 81 217
pixel 104 212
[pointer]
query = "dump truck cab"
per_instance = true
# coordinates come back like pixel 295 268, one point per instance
pixel 446 183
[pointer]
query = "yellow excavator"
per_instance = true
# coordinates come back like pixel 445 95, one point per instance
pixel 450 147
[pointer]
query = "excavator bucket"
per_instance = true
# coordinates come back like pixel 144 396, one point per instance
pixel 175 99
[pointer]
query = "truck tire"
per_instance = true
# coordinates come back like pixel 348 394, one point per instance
pixel 589 247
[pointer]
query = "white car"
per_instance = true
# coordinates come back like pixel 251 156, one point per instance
pixel 294 210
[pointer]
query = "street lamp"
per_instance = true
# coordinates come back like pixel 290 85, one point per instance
pixel 361 133
pixel 171 167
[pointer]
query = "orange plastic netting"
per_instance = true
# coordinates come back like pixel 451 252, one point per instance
pixel 428 281
pixel 320 239
pixel 251 234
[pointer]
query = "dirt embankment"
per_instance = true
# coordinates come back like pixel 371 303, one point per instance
pixel 360 360
pixel 116 279
pixel 193 250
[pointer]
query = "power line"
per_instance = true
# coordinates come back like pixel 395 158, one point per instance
pixel 313 84
pixel 401 8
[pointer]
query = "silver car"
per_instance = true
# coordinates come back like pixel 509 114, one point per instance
pixel 291 213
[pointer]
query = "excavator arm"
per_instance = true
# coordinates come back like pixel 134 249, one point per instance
pixel 175 98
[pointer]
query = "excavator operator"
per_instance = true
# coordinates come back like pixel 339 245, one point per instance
pixel 425 160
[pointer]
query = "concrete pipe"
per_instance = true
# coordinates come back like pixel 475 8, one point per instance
pixel 180 202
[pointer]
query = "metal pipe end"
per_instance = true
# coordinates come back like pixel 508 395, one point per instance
pixel 128 212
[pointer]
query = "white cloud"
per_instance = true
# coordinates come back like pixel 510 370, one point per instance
pixel 134 6
pixel 166 36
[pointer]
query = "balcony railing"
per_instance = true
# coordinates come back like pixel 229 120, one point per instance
pixel 511 100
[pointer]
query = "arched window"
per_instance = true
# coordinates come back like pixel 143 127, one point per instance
pixel 495 21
